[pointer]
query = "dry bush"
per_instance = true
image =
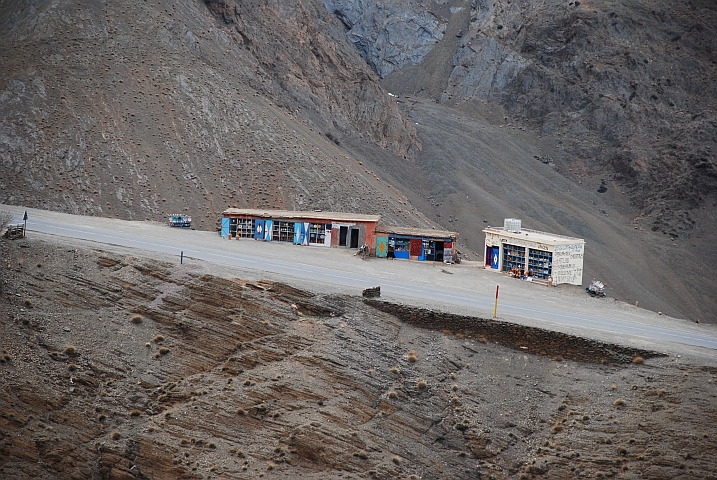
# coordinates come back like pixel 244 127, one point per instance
pixel 135 413
pixel 116 435
pixel 27 302
pixel 163 351
pixel 619 402
pixel 136 318
pixel 361 454
pixel 392 394
pixel 395 370
pixel 556 428
pixel 396 460
pixel 70 350
pixel 638 360
pixel 158 338
pixel 72 367
pixel 412 356
pixel 421 384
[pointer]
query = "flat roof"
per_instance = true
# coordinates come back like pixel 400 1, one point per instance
pixel 535 236
pixel 415 232
pixel 297 215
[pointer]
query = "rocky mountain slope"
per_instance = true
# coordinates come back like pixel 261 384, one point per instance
pixel 138 111
pixel 145 110
pixel 121 367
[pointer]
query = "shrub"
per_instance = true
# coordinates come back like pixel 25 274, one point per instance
pixel 158 338
pixel 619 403
pixel 396 460
pixel 621 450
pixel 72 367
pixel 27 302
pixel 361 454
pixel 70 350
pixel 395 370
pixel 392 394
pixel 412 356
pixel 116 435
pixel 556 428
pixel 638 360
pixel 136 318
pixel 135 413
pixel 163 351
pixel 421 384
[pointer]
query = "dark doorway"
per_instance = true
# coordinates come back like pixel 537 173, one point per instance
pixel 343 231
pixel 354 238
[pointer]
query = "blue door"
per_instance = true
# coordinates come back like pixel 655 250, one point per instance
pixel 495 257
pixel 259 229
pixel 225 228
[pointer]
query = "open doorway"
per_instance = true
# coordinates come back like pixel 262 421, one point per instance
pixel 354 238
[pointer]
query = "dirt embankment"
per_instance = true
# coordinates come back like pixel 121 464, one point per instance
pixel 126 367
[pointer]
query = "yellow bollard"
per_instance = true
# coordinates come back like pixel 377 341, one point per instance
pixel 495 308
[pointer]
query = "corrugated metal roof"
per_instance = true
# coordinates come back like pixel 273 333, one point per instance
pixel 296 215
pixel 415 232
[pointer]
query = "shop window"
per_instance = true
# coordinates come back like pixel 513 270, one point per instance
pixel 245 228
pixel 540 263
pixel 402 247
pixel 317 232
pixel 513 257
pixel 282 232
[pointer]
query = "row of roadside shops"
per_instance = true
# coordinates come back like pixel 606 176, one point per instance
pixel 529 254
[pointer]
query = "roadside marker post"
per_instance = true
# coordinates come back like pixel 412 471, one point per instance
pixel 181 257
pixel 495 308
pixel 24 219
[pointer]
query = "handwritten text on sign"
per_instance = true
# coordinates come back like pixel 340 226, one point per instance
pixel 568 264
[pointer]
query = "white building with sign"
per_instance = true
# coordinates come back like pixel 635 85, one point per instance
pixel 534 254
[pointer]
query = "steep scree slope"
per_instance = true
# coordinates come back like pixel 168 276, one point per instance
pixel 144 109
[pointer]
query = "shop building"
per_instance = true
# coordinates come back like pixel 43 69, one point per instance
pixel 536 255
pixel 415 243
pixel 328 229
pixel 338 229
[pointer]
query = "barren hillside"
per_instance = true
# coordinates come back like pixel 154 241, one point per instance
pixel 121 367
pixel 587 119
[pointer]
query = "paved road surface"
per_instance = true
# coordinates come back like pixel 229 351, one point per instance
pixel 469 289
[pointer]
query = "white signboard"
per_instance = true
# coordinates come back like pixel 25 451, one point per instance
pixel 568 264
